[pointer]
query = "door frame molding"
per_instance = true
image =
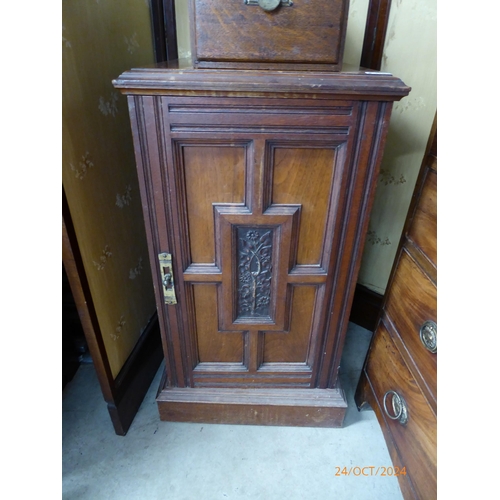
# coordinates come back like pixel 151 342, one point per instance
pixel 164 30
pixel 375 33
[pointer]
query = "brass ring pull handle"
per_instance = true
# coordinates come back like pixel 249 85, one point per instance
pixel 428 336
pixel 399 407
pixel 269 5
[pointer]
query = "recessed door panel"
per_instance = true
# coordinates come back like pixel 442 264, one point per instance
pixel 213 346
pixel 304 176
pixel 293 346
pixel 213 173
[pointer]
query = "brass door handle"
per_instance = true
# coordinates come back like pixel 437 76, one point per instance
pixel 428 336
pixel 399 407
pixel 269 5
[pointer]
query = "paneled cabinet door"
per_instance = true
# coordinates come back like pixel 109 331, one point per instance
pixel 257 235
pixel 255 205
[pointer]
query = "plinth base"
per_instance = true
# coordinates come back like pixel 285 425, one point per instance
pixel 288 407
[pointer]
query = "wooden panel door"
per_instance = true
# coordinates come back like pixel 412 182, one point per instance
pixel 257 258
pixel 254 200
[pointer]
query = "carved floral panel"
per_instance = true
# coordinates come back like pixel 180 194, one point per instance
pixel 254 271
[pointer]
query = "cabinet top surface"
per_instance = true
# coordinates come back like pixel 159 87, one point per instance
pixel 180 76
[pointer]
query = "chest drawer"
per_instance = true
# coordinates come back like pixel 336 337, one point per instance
pixel 412 303
pixel 423 230
pixel 303 34
pixel 416 439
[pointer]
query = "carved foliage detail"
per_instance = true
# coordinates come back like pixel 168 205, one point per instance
pixel 254 271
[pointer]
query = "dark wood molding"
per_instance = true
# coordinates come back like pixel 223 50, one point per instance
pixel 354 84
pixel 124 394
pixel 366 307
pixel 158 29
pixel 164 30
pixel 134 379
pixel 73 343
pixel 375 33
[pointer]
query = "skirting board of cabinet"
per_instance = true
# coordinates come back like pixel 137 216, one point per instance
pixel 134 379
pixel 287 407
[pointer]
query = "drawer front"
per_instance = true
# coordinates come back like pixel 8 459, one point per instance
pixel 307 31
pixel 412 302
pixel 423 230
pixel 416 441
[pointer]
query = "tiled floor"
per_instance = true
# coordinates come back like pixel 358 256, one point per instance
pixel 179 461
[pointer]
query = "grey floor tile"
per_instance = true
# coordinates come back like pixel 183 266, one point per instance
pixel 179 461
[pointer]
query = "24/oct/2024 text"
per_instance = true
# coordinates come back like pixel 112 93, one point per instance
pixel 370 470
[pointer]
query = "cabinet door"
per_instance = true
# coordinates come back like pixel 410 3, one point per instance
pixel 262 212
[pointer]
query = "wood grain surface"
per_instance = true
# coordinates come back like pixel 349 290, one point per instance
pixel 309 34
pixel 417 440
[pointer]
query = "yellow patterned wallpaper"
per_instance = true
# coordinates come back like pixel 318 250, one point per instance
pixel 100 40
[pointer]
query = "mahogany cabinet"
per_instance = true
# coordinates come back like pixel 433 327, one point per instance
pixel 256 189
pixel 399 376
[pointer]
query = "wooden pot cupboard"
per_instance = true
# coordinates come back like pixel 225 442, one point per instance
pixel 256 188
pixel 399 379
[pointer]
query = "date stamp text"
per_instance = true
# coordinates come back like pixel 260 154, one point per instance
pixel 370 470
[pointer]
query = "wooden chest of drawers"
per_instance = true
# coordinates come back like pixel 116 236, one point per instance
pixel 400 372
pixel 292 35
pixel 256 189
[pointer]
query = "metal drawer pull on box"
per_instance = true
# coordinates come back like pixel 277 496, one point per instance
pixel 428 336
pixel 399 407
pixel 269 5
pixel 167 278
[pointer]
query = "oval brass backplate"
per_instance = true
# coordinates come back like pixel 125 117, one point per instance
pixel 269 4
pixel 428 336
